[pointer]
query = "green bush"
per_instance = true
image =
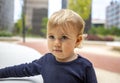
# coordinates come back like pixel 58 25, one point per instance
pixel 5 34
pixel 43 30
pixel 114 31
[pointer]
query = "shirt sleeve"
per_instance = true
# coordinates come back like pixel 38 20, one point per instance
pixel 90 75
pixel 22 70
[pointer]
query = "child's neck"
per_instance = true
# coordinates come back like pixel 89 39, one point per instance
pixel 68 59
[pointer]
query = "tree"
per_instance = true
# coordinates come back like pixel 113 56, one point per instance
pixel 18 26
pixel 82 7
pixel 43 29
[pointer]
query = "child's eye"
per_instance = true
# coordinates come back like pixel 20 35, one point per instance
pixel 51 37
pixel 64 37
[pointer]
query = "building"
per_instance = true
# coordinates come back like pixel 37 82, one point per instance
pixel 98 23
pixel 64 4
pixel 113 14
pixel 7 15
pixel 35 11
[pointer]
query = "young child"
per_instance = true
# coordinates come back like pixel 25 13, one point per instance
pixel 62 65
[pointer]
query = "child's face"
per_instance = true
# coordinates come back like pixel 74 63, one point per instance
pixel 61 44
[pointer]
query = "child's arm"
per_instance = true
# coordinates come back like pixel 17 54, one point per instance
pixel 90 75
pixel 22 70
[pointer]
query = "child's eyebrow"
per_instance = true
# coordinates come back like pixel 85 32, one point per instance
pixel 62 34
pixel 50 33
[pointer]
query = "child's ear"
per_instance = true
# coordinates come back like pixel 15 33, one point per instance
pixel 79 40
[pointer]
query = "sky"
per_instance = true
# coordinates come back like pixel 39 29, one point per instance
pixel 98 8
pixel 17 10
pixel 52 7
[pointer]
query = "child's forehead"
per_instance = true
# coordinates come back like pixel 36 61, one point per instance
pixel 59 29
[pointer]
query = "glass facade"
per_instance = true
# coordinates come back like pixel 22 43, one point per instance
pixel 7 14
pixel 35 11
pixel 113 14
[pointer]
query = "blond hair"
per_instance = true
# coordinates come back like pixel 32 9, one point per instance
pixel 67 19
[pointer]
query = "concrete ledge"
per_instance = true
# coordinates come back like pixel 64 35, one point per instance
pixel 94 42
pixel 9 39
pixel 114 45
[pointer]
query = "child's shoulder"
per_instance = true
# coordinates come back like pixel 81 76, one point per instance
pixel 47 55
pixel 83 60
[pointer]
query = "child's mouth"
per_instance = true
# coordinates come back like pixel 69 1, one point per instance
pixel 57 50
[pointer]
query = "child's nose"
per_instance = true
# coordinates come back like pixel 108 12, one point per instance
pixel 57 42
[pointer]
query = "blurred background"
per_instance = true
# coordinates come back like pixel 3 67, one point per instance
pixel 29 18
pixel 24 22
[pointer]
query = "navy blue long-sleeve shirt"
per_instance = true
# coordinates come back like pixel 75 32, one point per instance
pixel 52 71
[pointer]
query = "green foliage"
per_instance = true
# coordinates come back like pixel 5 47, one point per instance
pixel 18 27
pixel 98 30
pixel 43 30
pixel 5 34
pixel 114 31
pixel 28 30
pixel 82 7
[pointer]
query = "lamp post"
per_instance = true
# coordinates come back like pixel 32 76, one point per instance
pixel 23 20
